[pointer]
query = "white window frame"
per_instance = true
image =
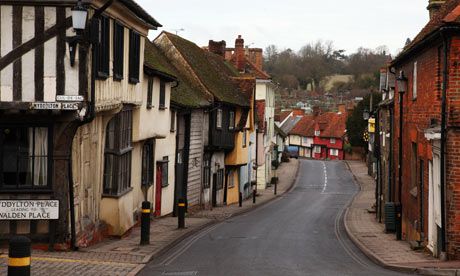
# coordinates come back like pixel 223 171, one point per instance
pixel 219 118
pixel 334 152
pixel 317 149
pixel 332 140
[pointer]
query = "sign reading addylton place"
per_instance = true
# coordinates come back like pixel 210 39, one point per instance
pixel 29 209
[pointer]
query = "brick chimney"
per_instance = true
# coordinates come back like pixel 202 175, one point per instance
pixel 342 108
pixel 239 54
pixel 434 6
pixel 217 47
pixel 316 111
pixel 255 56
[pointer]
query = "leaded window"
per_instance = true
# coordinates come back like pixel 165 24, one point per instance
pixel 134 56
pixel 147 163
pixel 118 50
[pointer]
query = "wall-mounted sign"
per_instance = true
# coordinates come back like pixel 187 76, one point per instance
pixel 70 106
pixel 69 98
pixel 46 106
pixel 29 209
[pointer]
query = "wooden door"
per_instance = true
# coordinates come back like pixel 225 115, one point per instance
pixel 158 192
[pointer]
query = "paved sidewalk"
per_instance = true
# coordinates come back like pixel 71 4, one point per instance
pixel 382 248
pixel 126 257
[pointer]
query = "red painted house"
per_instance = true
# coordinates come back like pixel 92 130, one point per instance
pixel 330 130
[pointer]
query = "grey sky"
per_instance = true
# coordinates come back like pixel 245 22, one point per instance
pixel 293 23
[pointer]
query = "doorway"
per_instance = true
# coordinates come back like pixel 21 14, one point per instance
pixel 434 203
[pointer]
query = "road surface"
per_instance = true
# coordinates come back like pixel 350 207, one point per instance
pixel 301 233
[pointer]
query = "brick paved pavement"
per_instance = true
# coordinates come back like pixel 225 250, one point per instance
pixel 126 257
pixel 369 235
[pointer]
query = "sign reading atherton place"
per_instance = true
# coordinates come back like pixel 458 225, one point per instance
pixel 29 209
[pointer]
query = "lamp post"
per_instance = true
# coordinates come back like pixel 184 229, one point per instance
pixel 79 19
pixel 401 83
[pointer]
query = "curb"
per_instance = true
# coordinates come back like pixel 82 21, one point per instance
pixel 200 228
pixel 377 260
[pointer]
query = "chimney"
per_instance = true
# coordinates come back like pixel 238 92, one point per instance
pixel 342 108
pixel 217 47
pixel 434 6
pixel 256 57
pixel 316 111
pixel 239 53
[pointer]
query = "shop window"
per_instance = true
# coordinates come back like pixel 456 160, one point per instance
pixel 317 149
pixel 118 148
pixel 25 157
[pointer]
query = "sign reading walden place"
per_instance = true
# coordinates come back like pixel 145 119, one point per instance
pixel 29 209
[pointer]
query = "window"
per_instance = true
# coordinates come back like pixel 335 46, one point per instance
pixel 245 137
pixel 162 94
pixel 207 171
pixel 162 168
pixel 414 82
pixel 24 155
pixel 118 50
pixel 173 121
pixel 134 56
pixel 231 180
pixel 103 48
pixel 219 118
pixel 150 93
pixel 147 163
pixel 332 140
pixel 317 132
pixel 220 179
pixel 117 158
pixel 317 149
pixel 231 120
pixel 334 152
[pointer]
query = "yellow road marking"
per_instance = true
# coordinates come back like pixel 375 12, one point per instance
pixel 49 259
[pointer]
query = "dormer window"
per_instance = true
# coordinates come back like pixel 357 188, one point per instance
pixel 317 132
pixel 332 140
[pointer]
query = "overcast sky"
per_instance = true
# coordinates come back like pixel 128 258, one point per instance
pixel 293 23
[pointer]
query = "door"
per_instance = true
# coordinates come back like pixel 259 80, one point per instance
pixel 214 190
pixel 434 204
pixel 158 191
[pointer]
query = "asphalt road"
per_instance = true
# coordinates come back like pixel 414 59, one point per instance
pixel 301 233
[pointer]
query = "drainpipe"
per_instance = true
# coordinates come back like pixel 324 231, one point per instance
pixel 89 117
pixel 400 163
pixel 446 48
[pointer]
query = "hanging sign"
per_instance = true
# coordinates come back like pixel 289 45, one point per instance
pixel 29 209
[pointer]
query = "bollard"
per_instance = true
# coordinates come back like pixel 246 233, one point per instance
pixel 145 223
pixel 19 256
pixel 276 186
pixel 254 196
pixel 181 214
pixel 240 199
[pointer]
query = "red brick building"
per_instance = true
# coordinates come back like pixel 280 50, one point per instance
pixel 431 65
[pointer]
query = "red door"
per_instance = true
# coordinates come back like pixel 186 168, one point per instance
pixel 158 192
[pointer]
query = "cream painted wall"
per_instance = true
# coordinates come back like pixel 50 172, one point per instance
pixel 154 122
pixel 295 140
pixel 167 147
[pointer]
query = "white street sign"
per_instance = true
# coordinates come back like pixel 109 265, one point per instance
pixel 69 98
pixel 70 106
pixel 29 209
pixel 46 106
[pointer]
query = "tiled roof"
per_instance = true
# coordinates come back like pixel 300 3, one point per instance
pixel 447 14
pixel 290 123
pixel 305 127
pixel 332 124
pixel 184 93
pixel 212 71
pixel 284 114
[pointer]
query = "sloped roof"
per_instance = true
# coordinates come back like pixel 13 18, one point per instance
pixel 333 124
pixel 290 123
pixel 211 69
pixel 284 114
pixel 141 13
pixel 305 127
pixel 184 93
pixel 280 131
pixel 447 14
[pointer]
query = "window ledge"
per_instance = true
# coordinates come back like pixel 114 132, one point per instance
pixel 118 195
pixel 162 107
pixel 26 191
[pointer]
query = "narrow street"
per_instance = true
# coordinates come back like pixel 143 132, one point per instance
pixel 302 233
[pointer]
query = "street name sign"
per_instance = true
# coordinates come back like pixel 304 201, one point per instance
pixel 29 209
pixel 46 106
pixel 69 98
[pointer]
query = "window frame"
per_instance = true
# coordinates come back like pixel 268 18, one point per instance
pixel 316 149
pixel 150 93
pixel 103 47
pixel 162 97
pixel 317 132
pixel 231 120
pixel 207 171
pixel 219 118
pixel 147 168
pixel 49 163
pixel 332 140
pixel 118 50
pixel 163 165
pixel 120 153
pixel 414 81
pixel 134 56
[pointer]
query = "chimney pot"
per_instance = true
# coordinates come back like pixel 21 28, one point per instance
pixel 434 6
